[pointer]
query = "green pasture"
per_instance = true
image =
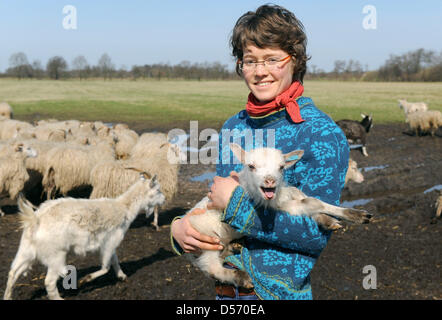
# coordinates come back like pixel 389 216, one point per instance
pixel 167 102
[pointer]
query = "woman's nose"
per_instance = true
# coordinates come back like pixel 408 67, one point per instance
pixel 260 70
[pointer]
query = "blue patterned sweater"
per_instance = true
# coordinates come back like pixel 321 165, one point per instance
pixel 281 250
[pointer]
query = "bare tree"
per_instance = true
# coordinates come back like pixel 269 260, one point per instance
pixel 80 66
pixel 339 66
pixel 56 67
pixel 19 65
pixel 106 66
pixel 37 69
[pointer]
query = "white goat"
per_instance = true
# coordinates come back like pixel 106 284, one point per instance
pixel 262 178
pixel 82 225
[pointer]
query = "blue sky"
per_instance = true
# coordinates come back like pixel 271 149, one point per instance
pixel 139 32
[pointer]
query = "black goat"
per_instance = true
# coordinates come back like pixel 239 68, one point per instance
pixel 356 132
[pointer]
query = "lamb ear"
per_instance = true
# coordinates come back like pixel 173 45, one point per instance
pixel 290 162
pixel 239 152
pixel 363 115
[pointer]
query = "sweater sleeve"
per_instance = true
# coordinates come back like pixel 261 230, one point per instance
pixel 320 174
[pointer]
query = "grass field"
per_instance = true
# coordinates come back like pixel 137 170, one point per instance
pixel 211 102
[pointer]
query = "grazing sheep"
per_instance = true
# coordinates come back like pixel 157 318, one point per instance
pixel 148 144
pixel 44 133
pixel 353 172
pixel 356 132
pixel 422 122
pixel 81 134
pixel 126 140
pixel 6 111
pixel 262 178
pixel 111 178
pixel 410 107
pixel 13 173
pixel 68 166
pixel 9 128
pixel 80 225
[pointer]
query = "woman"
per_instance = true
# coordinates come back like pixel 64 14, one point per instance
pixel 280 250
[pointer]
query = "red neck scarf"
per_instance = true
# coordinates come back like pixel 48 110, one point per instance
pixel 286 99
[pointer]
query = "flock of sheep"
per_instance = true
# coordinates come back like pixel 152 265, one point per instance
pixel 423 121
pixel 420 119
pixel 129 174
pixel 70 155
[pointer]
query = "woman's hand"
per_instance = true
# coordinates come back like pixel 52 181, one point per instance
pixel 189 239
pixel 221 191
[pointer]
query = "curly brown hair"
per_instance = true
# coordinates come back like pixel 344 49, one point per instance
pixel 271 26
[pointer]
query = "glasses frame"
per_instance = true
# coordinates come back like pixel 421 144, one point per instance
pixel 263 62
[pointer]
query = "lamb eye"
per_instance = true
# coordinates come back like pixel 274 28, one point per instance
pixel 281 167
pixel 252 167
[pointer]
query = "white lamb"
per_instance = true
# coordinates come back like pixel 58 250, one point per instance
pixel 81 225
pixel 353 172
pixel 262 178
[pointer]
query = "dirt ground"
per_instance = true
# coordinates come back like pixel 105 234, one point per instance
pixel 403 242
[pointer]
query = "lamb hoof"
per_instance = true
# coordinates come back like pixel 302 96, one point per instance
pixel 244 279
pixel 122 277
pixel 335 226
pixel 358 216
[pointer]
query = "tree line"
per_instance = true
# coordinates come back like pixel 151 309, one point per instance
pixel 58 68
pixel 417 65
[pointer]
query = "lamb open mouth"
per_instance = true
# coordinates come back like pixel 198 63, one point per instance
pixel 268 193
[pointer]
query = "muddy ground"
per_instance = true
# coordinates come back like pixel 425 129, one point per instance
pixel 403 242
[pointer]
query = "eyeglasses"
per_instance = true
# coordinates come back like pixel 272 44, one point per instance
pixel 269 63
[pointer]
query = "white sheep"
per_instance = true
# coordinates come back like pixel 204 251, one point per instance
pixel 353 172
pixel 262 178
pixel 422 122
pixel 6 111
pixel 111 178
pixel 13 173
pixel 410 107
pixel 80 225
pixel 126 140
pixel 68 166
pixel 43 133
pixel 9 128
